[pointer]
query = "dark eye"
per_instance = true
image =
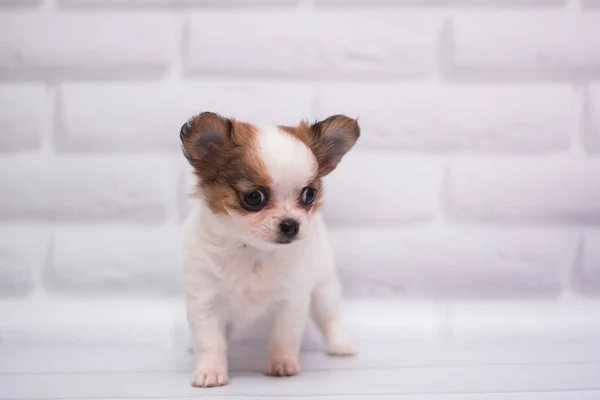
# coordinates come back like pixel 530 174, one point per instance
pixel 308 195
pixel 255 200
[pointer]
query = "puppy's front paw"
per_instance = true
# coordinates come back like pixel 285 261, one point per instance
pixel 340 349
pixel 278 367
pixel 210 377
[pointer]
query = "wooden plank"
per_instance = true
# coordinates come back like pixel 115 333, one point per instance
pixel 587 395
pixel 398 381
pixel 373 354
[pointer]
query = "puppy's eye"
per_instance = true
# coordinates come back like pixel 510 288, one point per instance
pixel 308 195
pixel 255 200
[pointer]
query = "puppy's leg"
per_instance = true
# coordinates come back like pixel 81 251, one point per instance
pixel 286 338
pixel 209 343
pixel 326 299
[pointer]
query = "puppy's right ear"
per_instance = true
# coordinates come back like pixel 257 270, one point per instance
pixel 203 136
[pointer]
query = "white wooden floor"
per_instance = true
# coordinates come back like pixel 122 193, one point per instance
pixel 128 349
pixel 497 369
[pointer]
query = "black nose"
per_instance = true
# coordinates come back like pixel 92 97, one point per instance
pixel 289 228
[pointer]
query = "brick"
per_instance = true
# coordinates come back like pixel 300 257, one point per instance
pixel 540 45
pixel 593 134
pixel 19 257
pixel 19 3
pixel 76 46
pixel 525 190
pixel 381 189
pixel 140 260
pixel 587 275
pixel 291 44
pixel 172 3
pixel 23 117
pixel 86 188
pixel 375 44
pixel 92 116
pixel 492 3
pixel 453 262
pixel 508 118
pixel 271 43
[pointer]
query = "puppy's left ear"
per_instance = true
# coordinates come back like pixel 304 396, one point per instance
pixel 331 139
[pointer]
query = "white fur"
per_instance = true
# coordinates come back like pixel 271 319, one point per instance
pixel 231 279
pixel 288 160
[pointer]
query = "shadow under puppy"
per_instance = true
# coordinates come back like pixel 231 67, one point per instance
pixel 255 241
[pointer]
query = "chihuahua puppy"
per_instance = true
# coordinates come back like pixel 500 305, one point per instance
pixel 255 242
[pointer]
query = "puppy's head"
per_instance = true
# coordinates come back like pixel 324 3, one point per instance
pixel 266 181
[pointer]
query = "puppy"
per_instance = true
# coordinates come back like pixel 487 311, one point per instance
pixel 255 242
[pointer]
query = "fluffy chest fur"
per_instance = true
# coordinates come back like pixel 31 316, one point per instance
pixel 240 281
pixel 249 282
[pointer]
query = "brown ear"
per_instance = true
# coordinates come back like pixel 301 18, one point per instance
pixel 203 136
pixel 331 139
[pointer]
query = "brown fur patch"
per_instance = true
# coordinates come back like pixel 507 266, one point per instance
pixel 329 139
pixel 225 159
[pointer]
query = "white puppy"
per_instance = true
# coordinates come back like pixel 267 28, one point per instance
pixel 256 242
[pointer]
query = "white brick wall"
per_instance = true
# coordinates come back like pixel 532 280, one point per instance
pixel 449 117
pixel 593 124
pixel 20 252
pixel 477 174
pixel 589 267
pixel 518 190
pixel 85 189
pixel 453 261
pixel 71 46
pixel 23 116
pixel 548 44
pixel 133 117
pixel 144 265
pixel 358 45
pixel 19 3
pixel 272 43
pixel 363 193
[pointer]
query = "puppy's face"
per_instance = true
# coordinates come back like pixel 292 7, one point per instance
pixel 266 181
